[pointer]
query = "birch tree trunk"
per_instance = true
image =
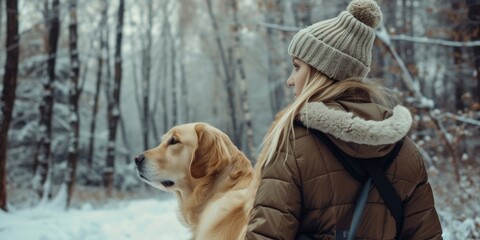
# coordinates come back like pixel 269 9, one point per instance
pixel 8 92
pixel 114 102
pixel 73 102
pixel 43 155
pixel 242 82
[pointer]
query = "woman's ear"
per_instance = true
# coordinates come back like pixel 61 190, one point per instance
pixel 210 153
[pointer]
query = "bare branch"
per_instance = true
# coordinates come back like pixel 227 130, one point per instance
pixel 410 82
pixel 441 42
pixel 424 40
pixel 279 27
pixel 460 118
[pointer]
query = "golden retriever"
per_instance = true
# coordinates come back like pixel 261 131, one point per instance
pixel 210 177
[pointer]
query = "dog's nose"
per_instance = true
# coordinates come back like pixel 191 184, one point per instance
pixel 139 159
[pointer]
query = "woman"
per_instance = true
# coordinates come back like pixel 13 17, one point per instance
pixel 303 189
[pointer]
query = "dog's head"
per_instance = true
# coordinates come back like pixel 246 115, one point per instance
pixel 187 153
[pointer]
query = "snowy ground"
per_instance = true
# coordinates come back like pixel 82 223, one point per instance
pixel 139 219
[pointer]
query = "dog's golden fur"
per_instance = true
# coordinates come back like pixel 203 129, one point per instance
pixel 211 178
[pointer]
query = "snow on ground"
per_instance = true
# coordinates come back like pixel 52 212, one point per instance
pixel 138 219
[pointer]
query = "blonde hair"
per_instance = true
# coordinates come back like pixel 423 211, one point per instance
pixel 319 88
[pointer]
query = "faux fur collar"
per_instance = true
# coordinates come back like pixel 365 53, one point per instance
pixel 351 128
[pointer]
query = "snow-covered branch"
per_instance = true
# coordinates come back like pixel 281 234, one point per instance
pixel 442 42
pixel 424 40
pixel 410 82
pixel 460 118
pixel 413 86
pixel 278 27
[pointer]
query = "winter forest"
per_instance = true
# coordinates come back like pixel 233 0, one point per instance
pixel 87 85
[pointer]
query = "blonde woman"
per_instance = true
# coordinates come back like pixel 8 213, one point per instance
pixel 303 189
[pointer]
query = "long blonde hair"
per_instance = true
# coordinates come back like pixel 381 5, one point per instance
pixel 319 88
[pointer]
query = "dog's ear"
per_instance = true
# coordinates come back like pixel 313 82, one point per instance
pixel 211 153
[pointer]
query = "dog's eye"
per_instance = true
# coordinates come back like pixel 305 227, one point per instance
pixel 174 140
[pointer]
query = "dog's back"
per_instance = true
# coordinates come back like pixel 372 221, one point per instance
pixel 225 218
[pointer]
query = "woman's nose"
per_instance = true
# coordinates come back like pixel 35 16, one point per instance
pixel 290 82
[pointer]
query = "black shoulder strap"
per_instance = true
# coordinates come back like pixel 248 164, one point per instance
pixel 361 169
pixel 387 192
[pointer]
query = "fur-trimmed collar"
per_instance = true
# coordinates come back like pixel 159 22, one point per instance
pixel 351 128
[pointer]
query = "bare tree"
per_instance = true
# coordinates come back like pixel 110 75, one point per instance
pixel 185 19
pixel 146 69
pixel 277 70
pixel 100 63
pixel 162 87
pixel 242 81
pixel 229 79
pixel 1 15
pixel 114 102
pixel 474 16
pixel 168 71
pixel 173 70
pixel 8 92
pixel 183 80
pixel 43 155
pixel 73 102
pixel 406 49
pixel 458 62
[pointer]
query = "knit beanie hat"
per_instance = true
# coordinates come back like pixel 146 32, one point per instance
pixel 340 47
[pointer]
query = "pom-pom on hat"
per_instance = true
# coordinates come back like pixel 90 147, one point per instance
pixel 340 47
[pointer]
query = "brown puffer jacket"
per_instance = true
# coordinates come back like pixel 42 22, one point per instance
pixel 307 191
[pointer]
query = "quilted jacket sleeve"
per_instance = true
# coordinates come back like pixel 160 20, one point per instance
pixel 420 217
pixel 277 207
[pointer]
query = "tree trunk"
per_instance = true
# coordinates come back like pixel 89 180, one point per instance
pixel 114 103
pixel 457 60
pixel 229 81
pixel 247 119
pixel 146 68
pixel 8 92
pixel 407 50
pixel 43 154
pixel 476 51
pixel 474 16
pixel 183 78
pixel 100 62
pixel 1 16
pixel 126 143
pixel 91 146
pixel 73 101
pixel 164 72
pixel 173 73
pixel 277 68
